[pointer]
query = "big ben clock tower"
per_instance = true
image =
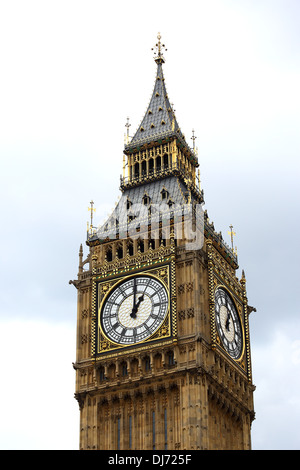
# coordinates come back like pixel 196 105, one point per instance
pixel 163 347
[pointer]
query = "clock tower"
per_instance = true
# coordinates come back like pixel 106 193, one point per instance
pixel 163 348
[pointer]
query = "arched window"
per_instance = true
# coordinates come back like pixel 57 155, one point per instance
pixel 147 365
pixel 146 200
pixel 171 360
pixel 151 165
pixel 141 246
pixel 120 251
pixel 164 194
pixel 109 254
pixel 130 248
pixel 166 162
pixel 101 374
pixel 158 164
pixel 128 204
pixel 124 371
pixel 136 170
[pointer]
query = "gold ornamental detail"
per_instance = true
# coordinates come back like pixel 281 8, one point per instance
pixel 167 330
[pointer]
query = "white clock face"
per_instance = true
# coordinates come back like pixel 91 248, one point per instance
pixel 228 323
pixel 134 310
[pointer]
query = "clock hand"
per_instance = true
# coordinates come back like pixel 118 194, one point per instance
pixel 141 298
pixel 135 307
pixel 133 312
pixel 227 321
pixel 228 316
pixel 134 292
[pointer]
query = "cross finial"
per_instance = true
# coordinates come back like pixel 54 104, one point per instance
pixel 92 209
pixel 193 139
pixel 127 125
pixel 231 233
pixel 158 51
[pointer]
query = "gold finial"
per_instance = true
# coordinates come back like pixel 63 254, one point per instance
pixel 231 233
pixel 158 50
pixel 243 280
pixel 92 209
pixel 127 134
pixel 172 109
pixel 193 139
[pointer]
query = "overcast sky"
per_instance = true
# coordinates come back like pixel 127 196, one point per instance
pixel 71 74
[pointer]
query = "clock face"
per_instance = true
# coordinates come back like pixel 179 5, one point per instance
pixel 134 310
pixel 228 323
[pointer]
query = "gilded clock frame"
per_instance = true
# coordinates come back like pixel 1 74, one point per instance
pixel 163 273
pixel 239 310
pixel 220 276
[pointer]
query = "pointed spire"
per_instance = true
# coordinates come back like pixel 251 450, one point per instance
pixel 159 120
pixel 159 124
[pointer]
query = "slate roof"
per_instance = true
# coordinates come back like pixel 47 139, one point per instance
pixel 177 197
pixel 159 120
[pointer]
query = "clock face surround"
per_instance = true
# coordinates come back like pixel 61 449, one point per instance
pixel 228 323
pixel 134 309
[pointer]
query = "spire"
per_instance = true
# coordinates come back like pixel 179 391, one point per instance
pixel 159 120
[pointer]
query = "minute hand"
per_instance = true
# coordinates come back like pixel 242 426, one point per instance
pixel 135 307
pixel 134 292
pixel 228 317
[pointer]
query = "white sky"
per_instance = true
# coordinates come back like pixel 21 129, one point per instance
pixel 71 73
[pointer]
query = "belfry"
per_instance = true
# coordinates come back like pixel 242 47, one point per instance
pixel 163 356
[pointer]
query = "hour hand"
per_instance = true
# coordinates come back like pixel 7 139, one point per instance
pixel 141 298
pixel 134 310
pixel 227 322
